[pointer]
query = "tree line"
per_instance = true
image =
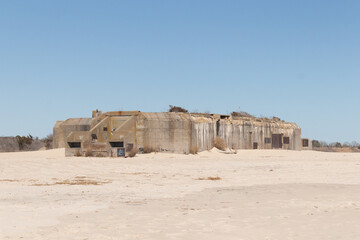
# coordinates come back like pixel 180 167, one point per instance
pixel 319 144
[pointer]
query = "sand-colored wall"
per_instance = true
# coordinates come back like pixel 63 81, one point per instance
pixel 242 134
pixel 173 132
pixel 164 131
pixel 62 129
pixel 203 133
pixel 178 132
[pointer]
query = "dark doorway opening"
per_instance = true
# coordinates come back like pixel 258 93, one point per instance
pixel 217 127
pixel 255 145
pixel 276 140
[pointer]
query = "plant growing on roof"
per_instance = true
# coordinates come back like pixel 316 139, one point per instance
pixel 177 109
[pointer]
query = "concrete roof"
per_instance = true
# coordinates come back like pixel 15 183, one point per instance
pixel 77 121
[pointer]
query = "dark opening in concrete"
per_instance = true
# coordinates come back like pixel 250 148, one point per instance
pixel 217 127
pixel 117 144
pixel 74 144
pixel 276 140
pixel 93 137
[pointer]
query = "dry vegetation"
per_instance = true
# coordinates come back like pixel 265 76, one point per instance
pixel 76 181
pixel 77 153
pixel 9 180
pixel 149 149
pixel 220 143
pixel 48 141
pixel 8 144
pixel 100 154
pixel 133 152
pixel 194 150
pixel 241 114
pixel 336 146
pixel 80 181
pixel 177 109
pixel 25 143
pixel 210 178
pixel 336 149
pixel 88 153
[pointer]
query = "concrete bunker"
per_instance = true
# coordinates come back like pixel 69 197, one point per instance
pixel 116 133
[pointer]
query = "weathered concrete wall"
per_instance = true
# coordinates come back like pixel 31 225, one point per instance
pixel 62 129
pixel 58 136
pixel 126 131
pixel 164 131
pixel 104 130
pixel 242 134
pixel 178 132
pixel 309 147
pixel 203 133
pixel 172 132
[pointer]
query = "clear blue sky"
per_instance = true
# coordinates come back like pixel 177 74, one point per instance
pixel 298 60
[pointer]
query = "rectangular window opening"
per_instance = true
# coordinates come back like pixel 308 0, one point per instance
pixel 267 140
pixel 305 142
pixel 116 144
pixel 286 140
pixel 74 144
pixel 105 129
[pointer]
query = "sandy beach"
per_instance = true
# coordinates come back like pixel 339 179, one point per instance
pixel 254 194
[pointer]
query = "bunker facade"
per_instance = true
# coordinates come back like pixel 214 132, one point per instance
pixel 117 133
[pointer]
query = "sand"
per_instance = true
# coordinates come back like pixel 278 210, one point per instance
pixel 254 194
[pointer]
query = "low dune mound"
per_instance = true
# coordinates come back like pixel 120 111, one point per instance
pixel 51 153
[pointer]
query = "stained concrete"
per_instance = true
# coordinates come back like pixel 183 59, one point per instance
pixel 170 132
